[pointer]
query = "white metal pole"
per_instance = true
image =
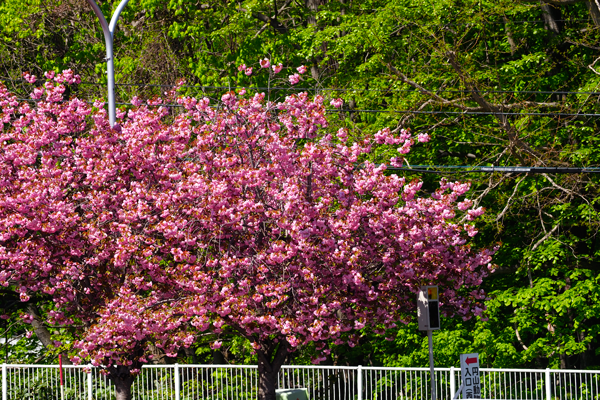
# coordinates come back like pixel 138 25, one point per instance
pixel 359 382
pixel 109 31
pixel 432 370
pixel 452 381
pixel 548 385
pixel 177 382
pixel 4 388
pixel 89 382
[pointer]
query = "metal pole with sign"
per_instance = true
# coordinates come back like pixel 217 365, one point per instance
pixel 428 315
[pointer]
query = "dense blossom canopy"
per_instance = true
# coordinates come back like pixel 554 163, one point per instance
pixel 244 213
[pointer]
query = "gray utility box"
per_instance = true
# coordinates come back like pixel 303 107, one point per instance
pixel 428 310
pixel 292 394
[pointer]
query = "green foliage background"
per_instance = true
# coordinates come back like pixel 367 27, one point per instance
pixel 498 82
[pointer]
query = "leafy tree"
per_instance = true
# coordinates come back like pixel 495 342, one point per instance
pixel 242 214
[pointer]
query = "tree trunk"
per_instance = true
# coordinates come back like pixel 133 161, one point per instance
pixel 552 17
pixel 267 382
pixel 594 9
pixel 509 36
pixel 313 6
pixel 122 378
pixel 42 332
pixel 269 367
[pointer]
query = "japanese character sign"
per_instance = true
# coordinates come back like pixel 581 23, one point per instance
pixel 469 369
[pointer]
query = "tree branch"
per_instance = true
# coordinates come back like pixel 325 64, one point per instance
pixel 546 236
pixel 500 116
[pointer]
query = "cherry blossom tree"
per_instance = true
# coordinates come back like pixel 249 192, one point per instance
pixel 245 213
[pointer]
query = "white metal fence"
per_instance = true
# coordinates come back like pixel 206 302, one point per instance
pixel 239 382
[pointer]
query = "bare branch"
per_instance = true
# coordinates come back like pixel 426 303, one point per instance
pixel 520 340
pixel 571 193
pixel 509 202
pixel 591 66
pixel 502 119
pixel 546 236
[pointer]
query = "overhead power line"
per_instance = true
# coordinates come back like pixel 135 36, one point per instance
pixel 392 111
pixel 327 89
pixel 462 169
pixel 468 113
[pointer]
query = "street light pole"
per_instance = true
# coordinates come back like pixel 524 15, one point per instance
pixel 109 30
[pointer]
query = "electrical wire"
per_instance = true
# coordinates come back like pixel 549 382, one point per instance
pixel 392 111
pixel 202 88
pixel 462 169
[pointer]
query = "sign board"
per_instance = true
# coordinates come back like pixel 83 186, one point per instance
pixel 428 310
pixel 469 371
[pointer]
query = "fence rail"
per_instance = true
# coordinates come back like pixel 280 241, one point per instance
pixel 240 382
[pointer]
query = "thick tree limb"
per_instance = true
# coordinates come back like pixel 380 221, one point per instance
pixel 273 21
pixel 41 331
pixel 502 119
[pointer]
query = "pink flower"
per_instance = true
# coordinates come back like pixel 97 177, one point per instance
pixel 294 79
pixel 337 103
pixel 242 68
pixel 248 71
pixel 216 344
pixel 136 101
pixel 423 138
pixel 29 78
pixel 277 68
pixel 265 63
pixel 37 93
pixel 302 69
pixel 465 205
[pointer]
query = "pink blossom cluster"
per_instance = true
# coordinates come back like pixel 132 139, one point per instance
pixel 166 225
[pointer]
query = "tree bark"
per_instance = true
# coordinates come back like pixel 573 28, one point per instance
pixel 42 332
pixel 269 367
pixel 122 378
pixel 509 36
pixel 552 17
pixel 313 6
pixel 594 9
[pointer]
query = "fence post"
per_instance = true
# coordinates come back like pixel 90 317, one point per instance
pixel 177 382
pixel 89 382
pixel 4 388
pixel 548 386
pixel 359 382
pixel 452 383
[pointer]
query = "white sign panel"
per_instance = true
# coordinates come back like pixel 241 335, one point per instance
pixel 469 370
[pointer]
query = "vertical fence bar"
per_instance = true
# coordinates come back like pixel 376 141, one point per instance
pixel 548 387
pixel 89 383
pixel 4 387
pixel 452 384
pixel 359 382
pixel 177 382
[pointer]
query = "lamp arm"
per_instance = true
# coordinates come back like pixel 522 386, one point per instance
pixel 108 31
